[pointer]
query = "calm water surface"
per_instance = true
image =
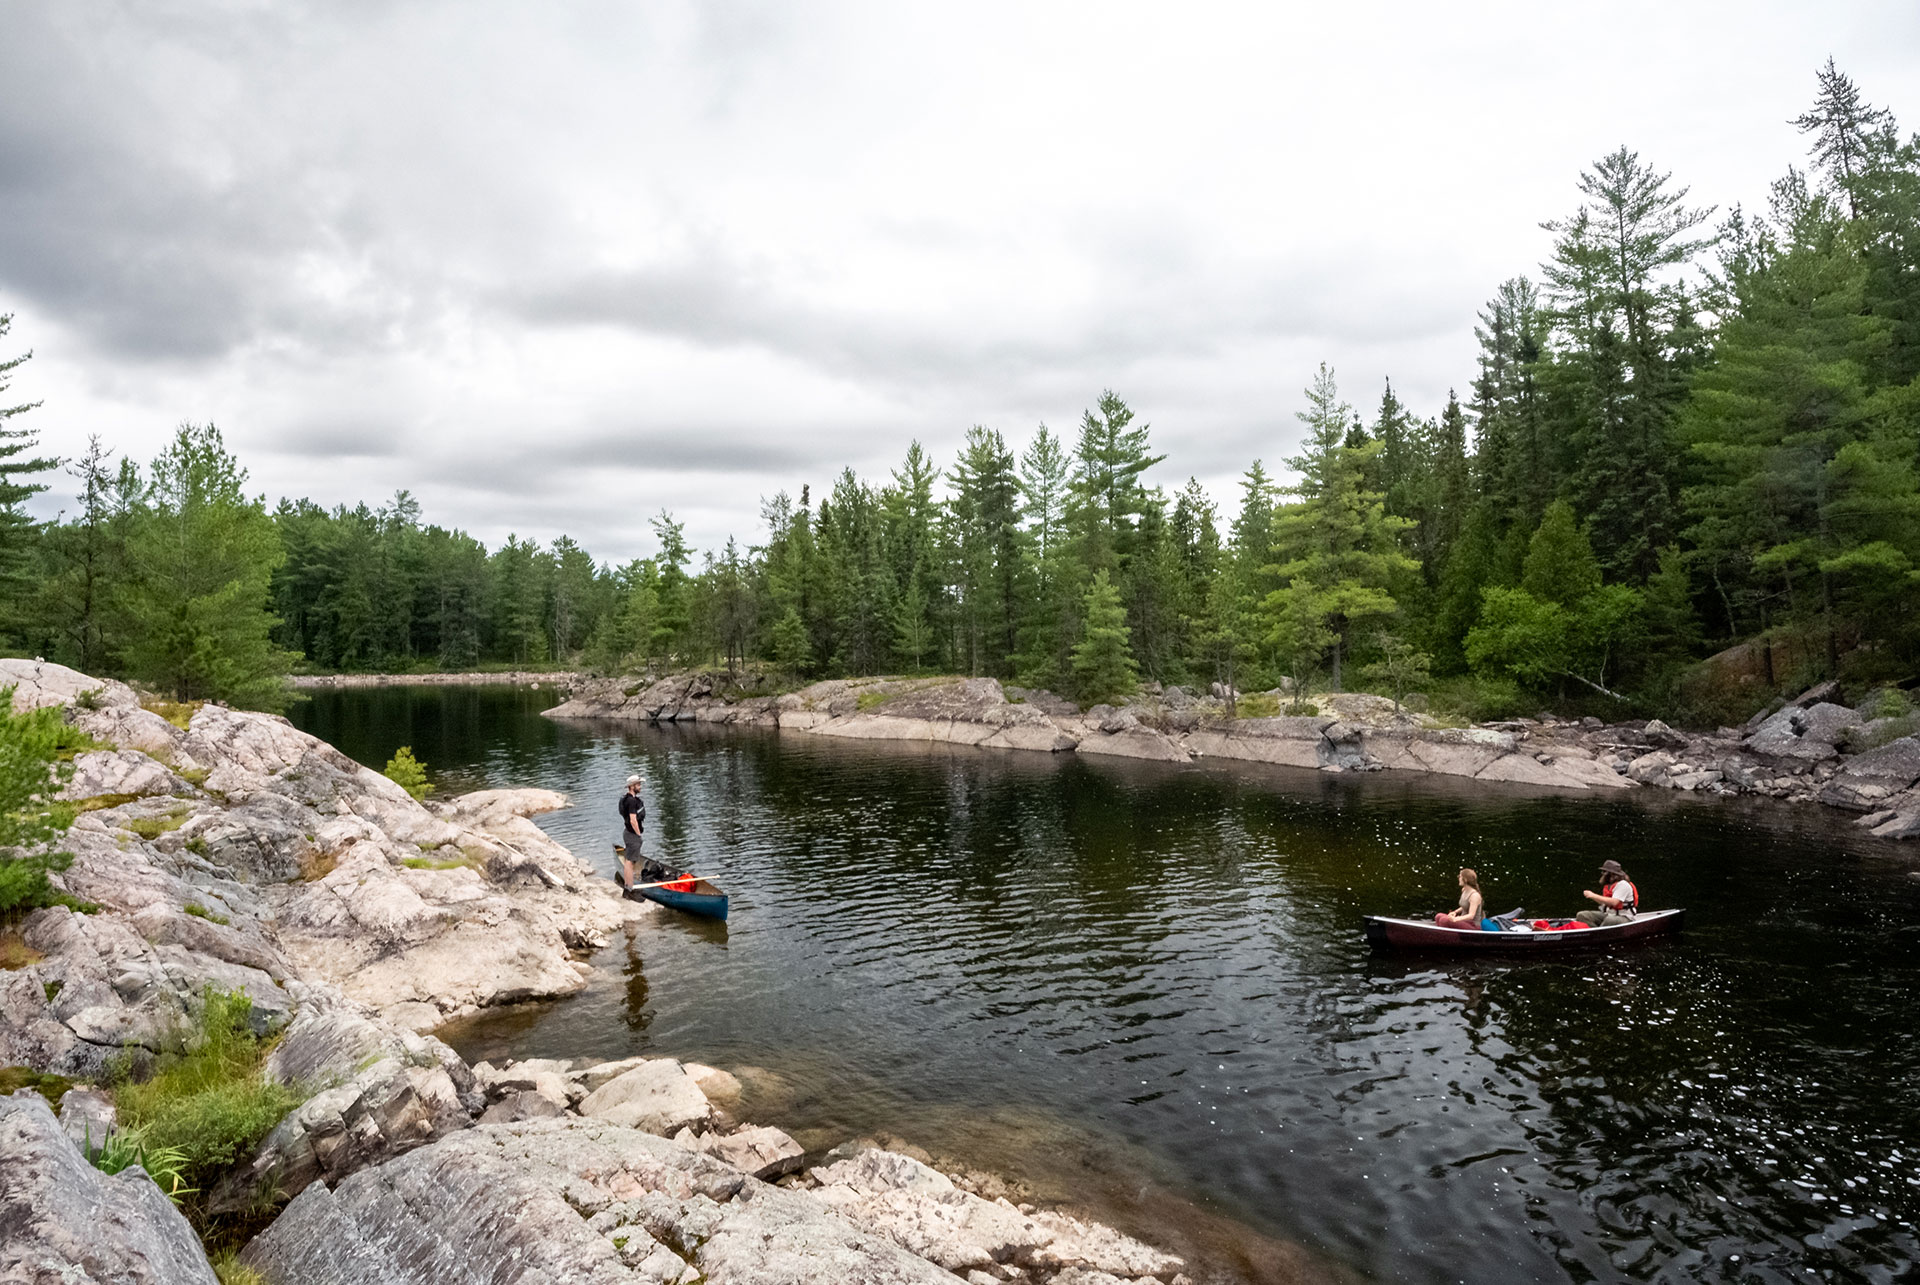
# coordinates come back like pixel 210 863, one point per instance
pixel 1145 986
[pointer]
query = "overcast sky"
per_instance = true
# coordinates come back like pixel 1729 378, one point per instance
pixel 553 267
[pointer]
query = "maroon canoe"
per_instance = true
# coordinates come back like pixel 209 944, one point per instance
pixel 1423 934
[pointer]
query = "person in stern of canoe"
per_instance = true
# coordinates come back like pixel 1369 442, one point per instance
pixel 1472 907
pixel 1617 901
pixel 633 820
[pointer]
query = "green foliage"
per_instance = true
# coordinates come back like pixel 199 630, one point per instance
pixel 124 1148
pixel 19 470
pixel 200 564
pixel 1337 549
pixel 1103 667
pixel 199 911
pixel 32 771
pixel 1401 667
pixel 211 1105
pixel 408 772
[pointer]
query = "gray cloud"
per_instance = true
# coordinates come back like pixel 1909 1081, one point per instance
pixel 508 257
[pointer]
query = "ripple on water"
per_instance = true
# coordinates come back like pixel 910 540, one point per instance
pixel 1099 975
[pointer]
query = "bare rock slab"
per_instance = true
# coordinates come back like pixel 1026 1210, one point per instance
pixel 569 1201
pixel 63 1220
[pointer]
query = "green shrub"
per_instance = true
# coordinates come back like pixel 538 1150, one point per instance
pixel 1888 727
pixel 408 772
pixel 34 765
pixel 199 911
pixel 1891 702
pixel 1257 705
pixel 1476 699
pixel 211 1103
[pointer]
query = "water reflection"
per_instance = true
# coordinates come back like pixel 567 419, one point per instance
pixel 1103 975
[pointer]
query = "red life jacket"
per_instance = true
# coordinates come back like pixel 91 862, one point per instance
pixel 1606 890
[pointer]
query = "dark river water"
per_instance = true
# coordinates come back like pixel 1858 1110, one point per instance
pixel 1144 988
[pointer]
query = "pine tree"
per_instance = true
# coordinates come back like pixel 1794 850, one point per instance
pixel 1103 667
pixel 1617 311
pixel 1339 549
pixel 18 532
pixel 200 568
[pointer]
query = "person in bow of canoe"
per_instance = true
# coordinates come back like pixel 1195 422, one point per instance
pixel 633 821
pixel 1617 902
pixel 1472 907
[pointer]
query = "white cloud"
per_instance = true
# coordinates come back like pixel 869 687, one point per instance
pixel 554 268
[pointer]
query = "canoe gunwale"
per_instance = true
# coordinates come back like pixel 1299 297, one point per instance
pixel 1391 932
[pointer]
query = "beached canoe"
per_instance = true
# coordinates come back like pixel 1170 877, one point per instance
pixel 701 899
pixel 1387 933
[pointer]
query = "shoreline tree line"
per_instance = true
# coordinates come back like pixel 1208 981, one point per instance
pixel 1688 433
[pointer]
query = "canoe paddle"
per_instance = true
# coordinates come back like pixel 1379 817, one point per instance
pixel 663 883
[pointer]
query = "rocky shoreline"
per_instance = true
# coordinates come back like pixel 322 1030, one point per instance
pixel 1800 752
pixel 239 853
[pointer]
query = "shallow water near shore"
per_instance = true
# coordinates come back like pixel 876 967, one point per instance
pixel 1144 988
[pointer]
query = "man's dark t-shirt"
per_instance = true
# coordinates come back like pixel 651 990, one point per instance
pixel 632 805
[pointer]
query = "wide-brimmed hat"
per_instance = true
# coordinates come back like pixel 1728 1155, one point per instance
pixel 1612 868
pixel 634 780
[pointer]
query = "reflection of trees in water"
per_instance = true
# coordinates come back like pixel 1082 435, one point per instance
pixel 634 970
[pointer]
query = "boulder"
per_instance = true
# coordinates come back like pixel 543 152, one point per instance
pixel 1659 735
pixel 88 1116
pixel 658 1096
pixel 525 1104
pixel 592 1077
pixel 1826 724
pixel 1866 781
pixel 1817 694
pixel 1780 737
pixel 759 1150
pixel 63 1220
pixel 1904 825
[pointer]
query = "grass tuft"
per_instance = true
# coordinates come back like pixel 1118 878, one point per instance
pixel 231 1271
pixel 210 1104
pixel 179 713
pixel 199 911
pixel 436 863
pixel 151 828
pixel 100 802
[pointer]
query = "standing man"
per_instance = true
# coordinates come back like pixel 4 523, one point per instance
pixel 633 820
pixel 1617 901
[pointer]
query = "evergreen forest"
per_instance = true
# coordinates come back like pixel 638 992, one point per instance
pixel 1684 476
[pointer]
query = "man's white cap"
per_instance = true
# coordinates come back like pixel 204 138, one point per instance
pixel 633 780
